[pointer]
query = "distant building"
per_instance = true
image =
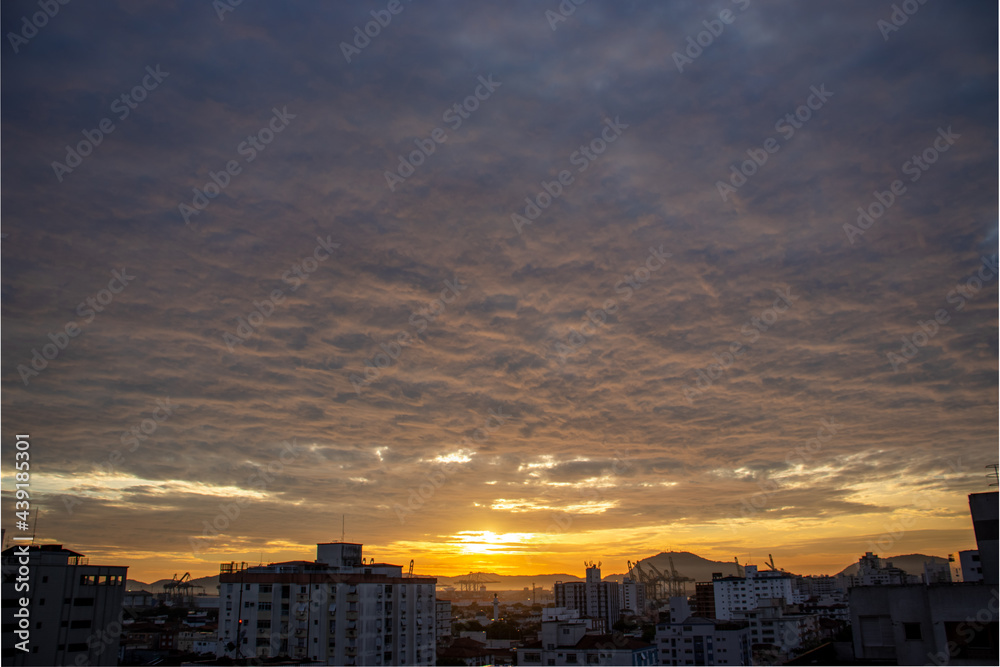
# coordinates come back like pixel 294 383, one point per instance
pixel 140 599
pixel 873 571
pixel 75 608
pixel 442 619
pixel 566 639
pixel 703 641
pixel 937 573
pixel 972 567
pixel 738 594
pixel 704 598
pixel 780 630
pixel 633 596
pixel 468 651
pixel 337 610
pixel 593 598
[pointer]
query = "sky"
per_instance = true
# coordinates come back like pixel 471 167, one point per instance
pixel 499 286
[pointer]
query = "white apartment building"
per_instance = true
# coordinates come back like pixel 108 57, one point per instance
pixel 633 596
pixel 703 641
pixel 738 594
pixel 873 571
pixel 338 610
pixel 972 567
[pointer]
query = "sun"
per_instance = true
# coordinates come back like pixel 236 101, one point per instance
pixel 493 544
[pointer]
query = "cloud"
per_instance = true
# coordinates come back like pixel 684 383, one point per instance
pixel 645 418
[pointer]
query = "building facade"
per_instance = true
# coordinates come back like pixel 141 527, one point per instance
pixel 593 598
pixel 703 641
pixel 74 609
pixel 337 610
pixel 442 619
pixel 972 566
pixel 739 594
pixel 633 596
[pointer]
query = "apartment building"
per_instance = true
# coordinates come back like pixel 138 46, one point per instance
pixel 338 609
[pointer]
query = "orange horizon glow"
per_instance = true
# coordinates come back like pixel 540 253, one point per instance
pixel 538 554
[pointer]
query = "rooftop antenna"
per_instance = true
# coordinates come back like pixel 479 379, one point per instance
pixel 343 523
pixel 996 476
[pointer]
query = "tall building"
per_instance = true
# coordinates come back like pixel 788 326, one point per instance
pixel 338 610
pixel 984 510
pixel 593 598
pixel 633 596
pixel 74 610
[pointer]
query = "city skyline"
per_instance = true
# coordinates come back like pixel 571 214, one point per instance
pixel 501 287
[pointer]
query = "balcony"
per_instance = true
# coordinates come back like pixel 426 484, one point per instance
pixel 351 634
pixel 352 616
pixel 352 597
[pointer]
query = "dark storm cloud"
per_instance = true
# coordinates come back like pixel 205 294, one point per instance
pixel 608 408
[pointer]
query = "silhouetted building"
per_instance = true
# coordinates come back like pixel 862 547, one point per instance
pixel 983 507
pixel 74 609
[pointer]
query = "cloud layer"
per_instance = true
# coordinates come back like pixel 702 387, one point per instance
pixel 635 364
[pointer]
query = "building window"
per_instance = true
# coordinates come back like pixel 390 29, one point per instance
pixel 83 602
pixel 911 630
pixel 86 623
